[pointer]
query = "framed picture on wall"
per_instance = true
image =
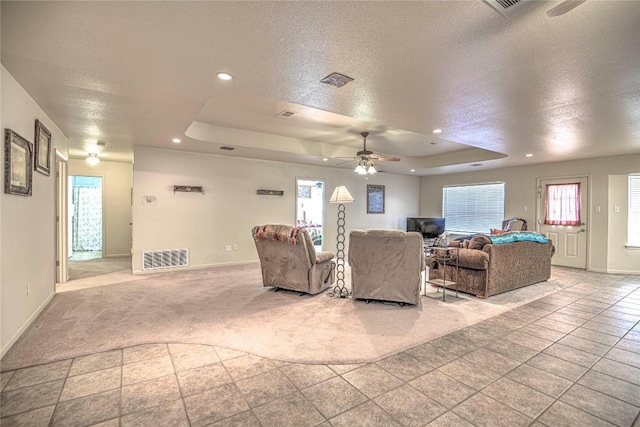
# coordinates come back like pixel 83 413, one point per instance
pixel 18 157
pixel 42 149
pixel 375 199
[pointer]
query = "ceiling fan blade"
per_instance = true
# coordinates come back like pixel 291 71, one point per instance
pixel 564 7
pixel 352 158
pixel 344 163
pixel 387 159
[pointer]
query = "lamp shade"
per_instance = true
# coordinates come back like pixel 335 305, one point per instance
pixel 341 195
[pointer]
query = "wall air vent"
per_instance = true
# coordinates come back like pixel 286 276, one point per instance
pixel 509 8
pixel 169 258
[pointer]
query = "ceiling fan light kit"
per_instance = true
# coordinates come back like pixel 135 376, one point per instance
pixel 93 159
pixel 367 159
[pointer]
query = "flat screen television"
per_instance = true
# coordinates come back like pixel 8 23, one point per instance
pixel 430 228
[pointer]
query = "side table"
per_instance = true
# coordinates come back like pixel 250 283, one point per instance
pixel 445 255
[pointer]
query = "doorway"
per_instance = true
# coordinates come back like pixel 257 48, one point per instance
pixel 310 208
pixel 85 218
pixel 569 235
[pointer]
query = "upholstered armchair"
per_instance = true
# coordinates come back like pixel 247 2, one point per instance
pixel 386 265
pixel 289 261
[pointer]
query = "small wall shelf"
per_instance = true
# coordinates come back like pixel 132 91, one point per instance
pixel 188 189
pixel 270 192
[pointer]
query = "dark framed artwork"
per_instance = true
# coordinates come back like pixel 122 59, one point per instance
pixel 375 199
pixel 42 144
pixel 18 157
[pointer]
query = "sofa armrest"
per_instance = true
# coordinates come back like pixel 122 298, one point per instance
pixel 324 257
pixel 474 259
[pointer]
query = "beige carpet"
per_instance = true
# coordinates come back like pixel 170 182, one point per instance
pixel 229 307
pixel 81 269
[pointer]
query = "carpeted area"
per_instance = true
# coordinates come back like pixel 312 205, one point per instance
pixel 229 307
pixel 82 269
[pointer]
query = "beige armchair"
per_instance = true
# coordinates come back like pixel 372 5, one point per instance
pixel 289 261
pixel 386 265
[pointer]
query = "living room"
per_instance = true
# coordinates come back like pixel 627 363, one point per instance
pixel 206 223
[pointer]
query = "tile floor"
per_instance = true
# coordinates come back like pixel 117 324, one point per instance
pixel 568 359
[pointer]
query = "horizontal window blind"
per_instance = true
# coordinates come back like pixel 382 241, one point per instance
pixel 633 229
pixel 473 208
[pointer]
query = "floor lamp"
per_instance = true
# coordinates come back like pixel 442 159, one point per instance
pixel 340 195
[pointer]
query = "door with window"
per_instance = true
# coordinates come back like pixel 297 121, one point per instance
pixel 563 218
pixel 310 208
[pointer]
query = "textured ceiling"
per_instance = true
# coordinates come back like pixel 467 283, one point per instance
pixel 142 73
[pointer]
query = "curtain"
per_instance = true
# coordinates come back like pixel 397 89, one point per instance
pixel 562 202
pixel 87 218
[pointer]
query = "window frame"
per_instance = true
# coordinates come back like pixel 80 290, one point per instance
pixel 484 226
pixel 633 212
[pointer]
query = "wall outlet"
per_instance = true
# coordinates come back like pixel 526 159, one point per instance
pixel 525 209
pixel 28 288
pixel 227 248
pixel 235 247
pixel 616 209
pixel 596 209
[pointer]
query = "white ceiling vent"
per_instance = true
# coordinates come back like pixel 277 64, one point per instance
pixel 336 79
pixel 510 7
pixel 285 114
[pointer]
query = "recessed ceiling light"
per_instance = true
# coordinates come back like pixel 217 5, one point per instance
pixel 325 159
pixel 225 76
pixel 413 170
pixel 529 155
pixel 176 140
pixel 437 131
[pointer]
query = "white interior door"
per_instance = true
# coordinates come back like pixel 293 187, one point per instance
pixel 570 241
pixel 62 253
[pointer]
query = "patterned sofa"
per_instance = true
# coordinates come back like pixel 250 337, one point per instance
pixel 488 268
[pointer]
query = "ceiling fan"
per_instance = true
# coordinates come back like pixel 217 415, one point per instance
pixel 367 159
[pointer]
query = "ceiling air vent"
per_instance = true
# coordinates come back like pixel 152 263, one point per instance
pixel 224 147
pixel 336 79
pixel 510 7
pixel 285 114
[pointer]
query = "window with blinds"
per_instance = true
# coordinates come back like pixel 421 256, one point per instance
pixel 473 208
pixel 633 228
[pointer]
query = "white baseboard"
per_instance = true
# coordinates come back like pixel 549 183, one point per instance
pixel 628 272
pixel 26 324
pixel 614 271
pixel 195 267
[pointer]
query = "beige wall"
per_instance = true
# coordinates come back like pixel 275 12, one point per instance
pixel 231 207
pixel 605 247
pixel 27 224
pixel 116 194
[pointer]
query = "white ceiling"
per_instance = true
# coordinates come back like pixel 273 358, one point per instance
pixel 142 73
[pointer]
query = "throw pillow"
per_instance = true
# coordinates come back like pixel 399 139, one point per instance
pixel 498 232
pixel 478 241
